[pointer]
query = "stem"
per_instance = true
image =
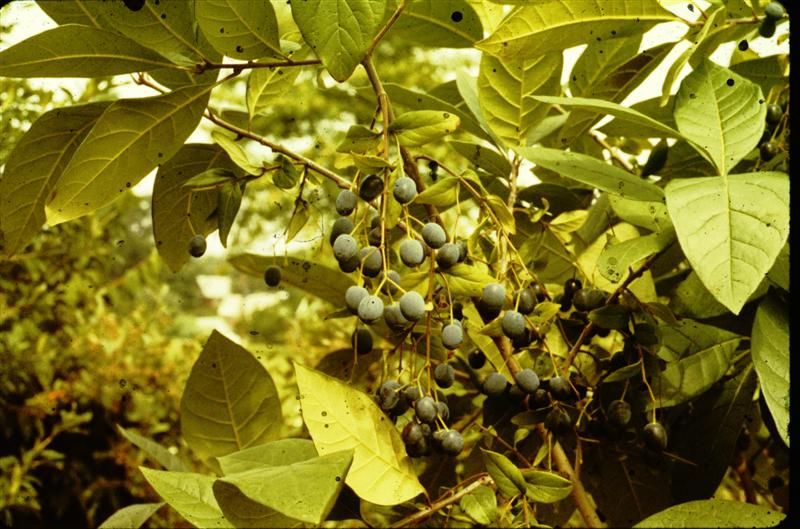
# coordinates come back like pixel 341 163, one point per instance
pixel 440 504
pixel 386 28
pixel 202 67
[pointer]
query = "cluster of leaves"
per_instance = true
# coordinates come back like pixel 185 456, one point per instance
pixel 683 260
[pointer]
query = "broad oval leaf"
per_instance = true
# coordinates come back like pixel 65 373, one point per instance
pixel 652 216
pixel 34 166
pixel 190 494
pixel 128 141
pixel 442 193
pixel 480 505
pixel 131 517
pixel 554 25
pixel 439 23
pixel 73 12
pixel 482 157
pixel 339 417
pixel 230 402
pixel 616 259
pixel 546 487
pixel 242 512
pixel 589 170
pixel 713 513
pixel 506 88
pixel 731 229
pixel 178 212
pixel 308 276
pixel 236 151
pixel 304 490
pixel 78 51
pixel 420 127
pixel 508 478
pixel 770 350
pixel 240 30
pixel 272 454
pixel 721 111
pixel 265 85
pixel 339 32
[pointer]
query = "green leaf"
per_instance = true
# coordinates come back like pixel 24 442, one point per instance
pixel 73 12
pixel 721 111
pixel 506 88
pixel 286 176
pixel 339 417
pixel 503 214
pixel 420 127
pixel 340 32
pixel 480 505
pixel 368 164
pixel 546 487
pixel 506 475
pixel 468 88
pixel 708 434
pixel 780 272
pixel 272 454
pixel 467 280
pixel 434 23
pixel 166 27
pixel 359 139
pixel 616 317
pixel 236 151
pixel 230 402
pixel 441 194
pixel 188 493
pixel 300 217
pixel 624 373
pixel 482 157
pixel 35 165
pixel 240 30
pixel 770 350
pixel 266 85
pixel 472 329
pixel 731 229
pixel 698 355
pixel 128 141
pixel 210 178
pixel 131 517
pixel 308 276
pixel 640 129
pixel 243 512
pixel 554 25
pixel 179 213
pixel 616 259
pixel 155 451
pixel 652 216
pixel 228 201
pixel 569 221
pixel 77 51
pixel 305 490
pixel 594 172
pixel 765 71
pixel 714 513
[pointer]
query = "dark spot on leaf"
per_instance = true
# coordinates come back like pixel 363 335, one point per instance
pixel 239 49
pixel 127 184
pixel 338 478
pixel 324 413
pixel 222 30
pixel 163 16
pixel 213 364
pixel 692 96
pixel 729 82
pixel 134 5
pixel 456 16
pixel 691 7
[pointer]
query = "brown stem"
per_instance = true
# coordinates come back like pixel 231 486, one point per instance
pixel 746 480
pixel 202 67
pixel 440 504
pixel 386 28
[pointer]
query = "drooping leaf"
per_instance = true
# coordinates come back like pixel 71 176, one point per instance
pixel 616 259
pixel 157 452
pixel 359 139
pixel 272 454
pixel 240 30
pixel 265 85
pixel 770 350
pixel 190 494
pixel 228 201
pixel 77 51
pixel 640 129
pixel 420 127
pixel 286 176
pixel 508 478
pixel 652 216
pixel 482 157
pixel 439 23
pixel 300 217
pixel 128 141
pixel 554 25
pixel 339 417
pixel 546 487
pixel 74 12
pixel 441 194
pixel 506 88
pixel 593 172
pixel 304 490
pixel 35 165
pixel 503 214
pixel 731 229
pixel 230 401
pixel 131 517
pixel 179 213
pixel 318 280
pixel 714 513
pixel 721 111
pixel 236 151
pixel 210 178
pixel 340 32
pixel 480 505
pixel 472 329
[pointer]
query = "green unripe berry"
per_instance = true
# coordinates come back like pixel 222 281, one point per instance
pixel 527 380
pixel 346 202
pixel 370 188
pixel 447 255
pixel 494 385
pixel 442 410
pixel 774 11
pixel 371 261
pixel 452 443
pixel 558 421
pixel 404 190
pixel 353 296
pixel 345 248
pixel 513 324
pixel 452 335
pixel 433 235
pixel 197 246
pixel 769 150
pixel 272 276
pixel 361 341
pixel 527 300
pixel 425 409
pixel 412 305
pixel 586 299
pixel 493 296
pixel 774 114
pixel 394 318
pixel 412 253
pixel 370 309
pixel 444 375
pixel 392 280
pixel 341 226
pixel 655 436
pixel 559 388
pixel 462 251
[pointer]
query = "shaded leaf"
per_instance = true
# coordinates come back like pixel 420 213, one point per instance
pixel 228 201
pixel 212 177
pixel 482 157
pixel 131 517
pixel 155 451
pixel 714 513
pixel 442 193
pixel 339 417
pixel 188 493
pixel 286 176
pixel 546 487
pixel 240 30
pixel 73 12
pixel 230 401
pixel 420 127
pixel 266 85
pixel 236 152
pixel 480 505
pixel 508 478
pixel 241 511
pixel 271 454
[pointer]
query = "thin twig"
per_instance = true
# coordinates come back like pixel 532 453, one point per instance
pixel 203 66
pixel 386 28
pixel 440 504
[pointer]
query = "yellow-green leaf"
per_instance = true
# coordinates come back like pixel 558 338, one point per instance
pixel 240 30
pixel 190 494
pixel 420 127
